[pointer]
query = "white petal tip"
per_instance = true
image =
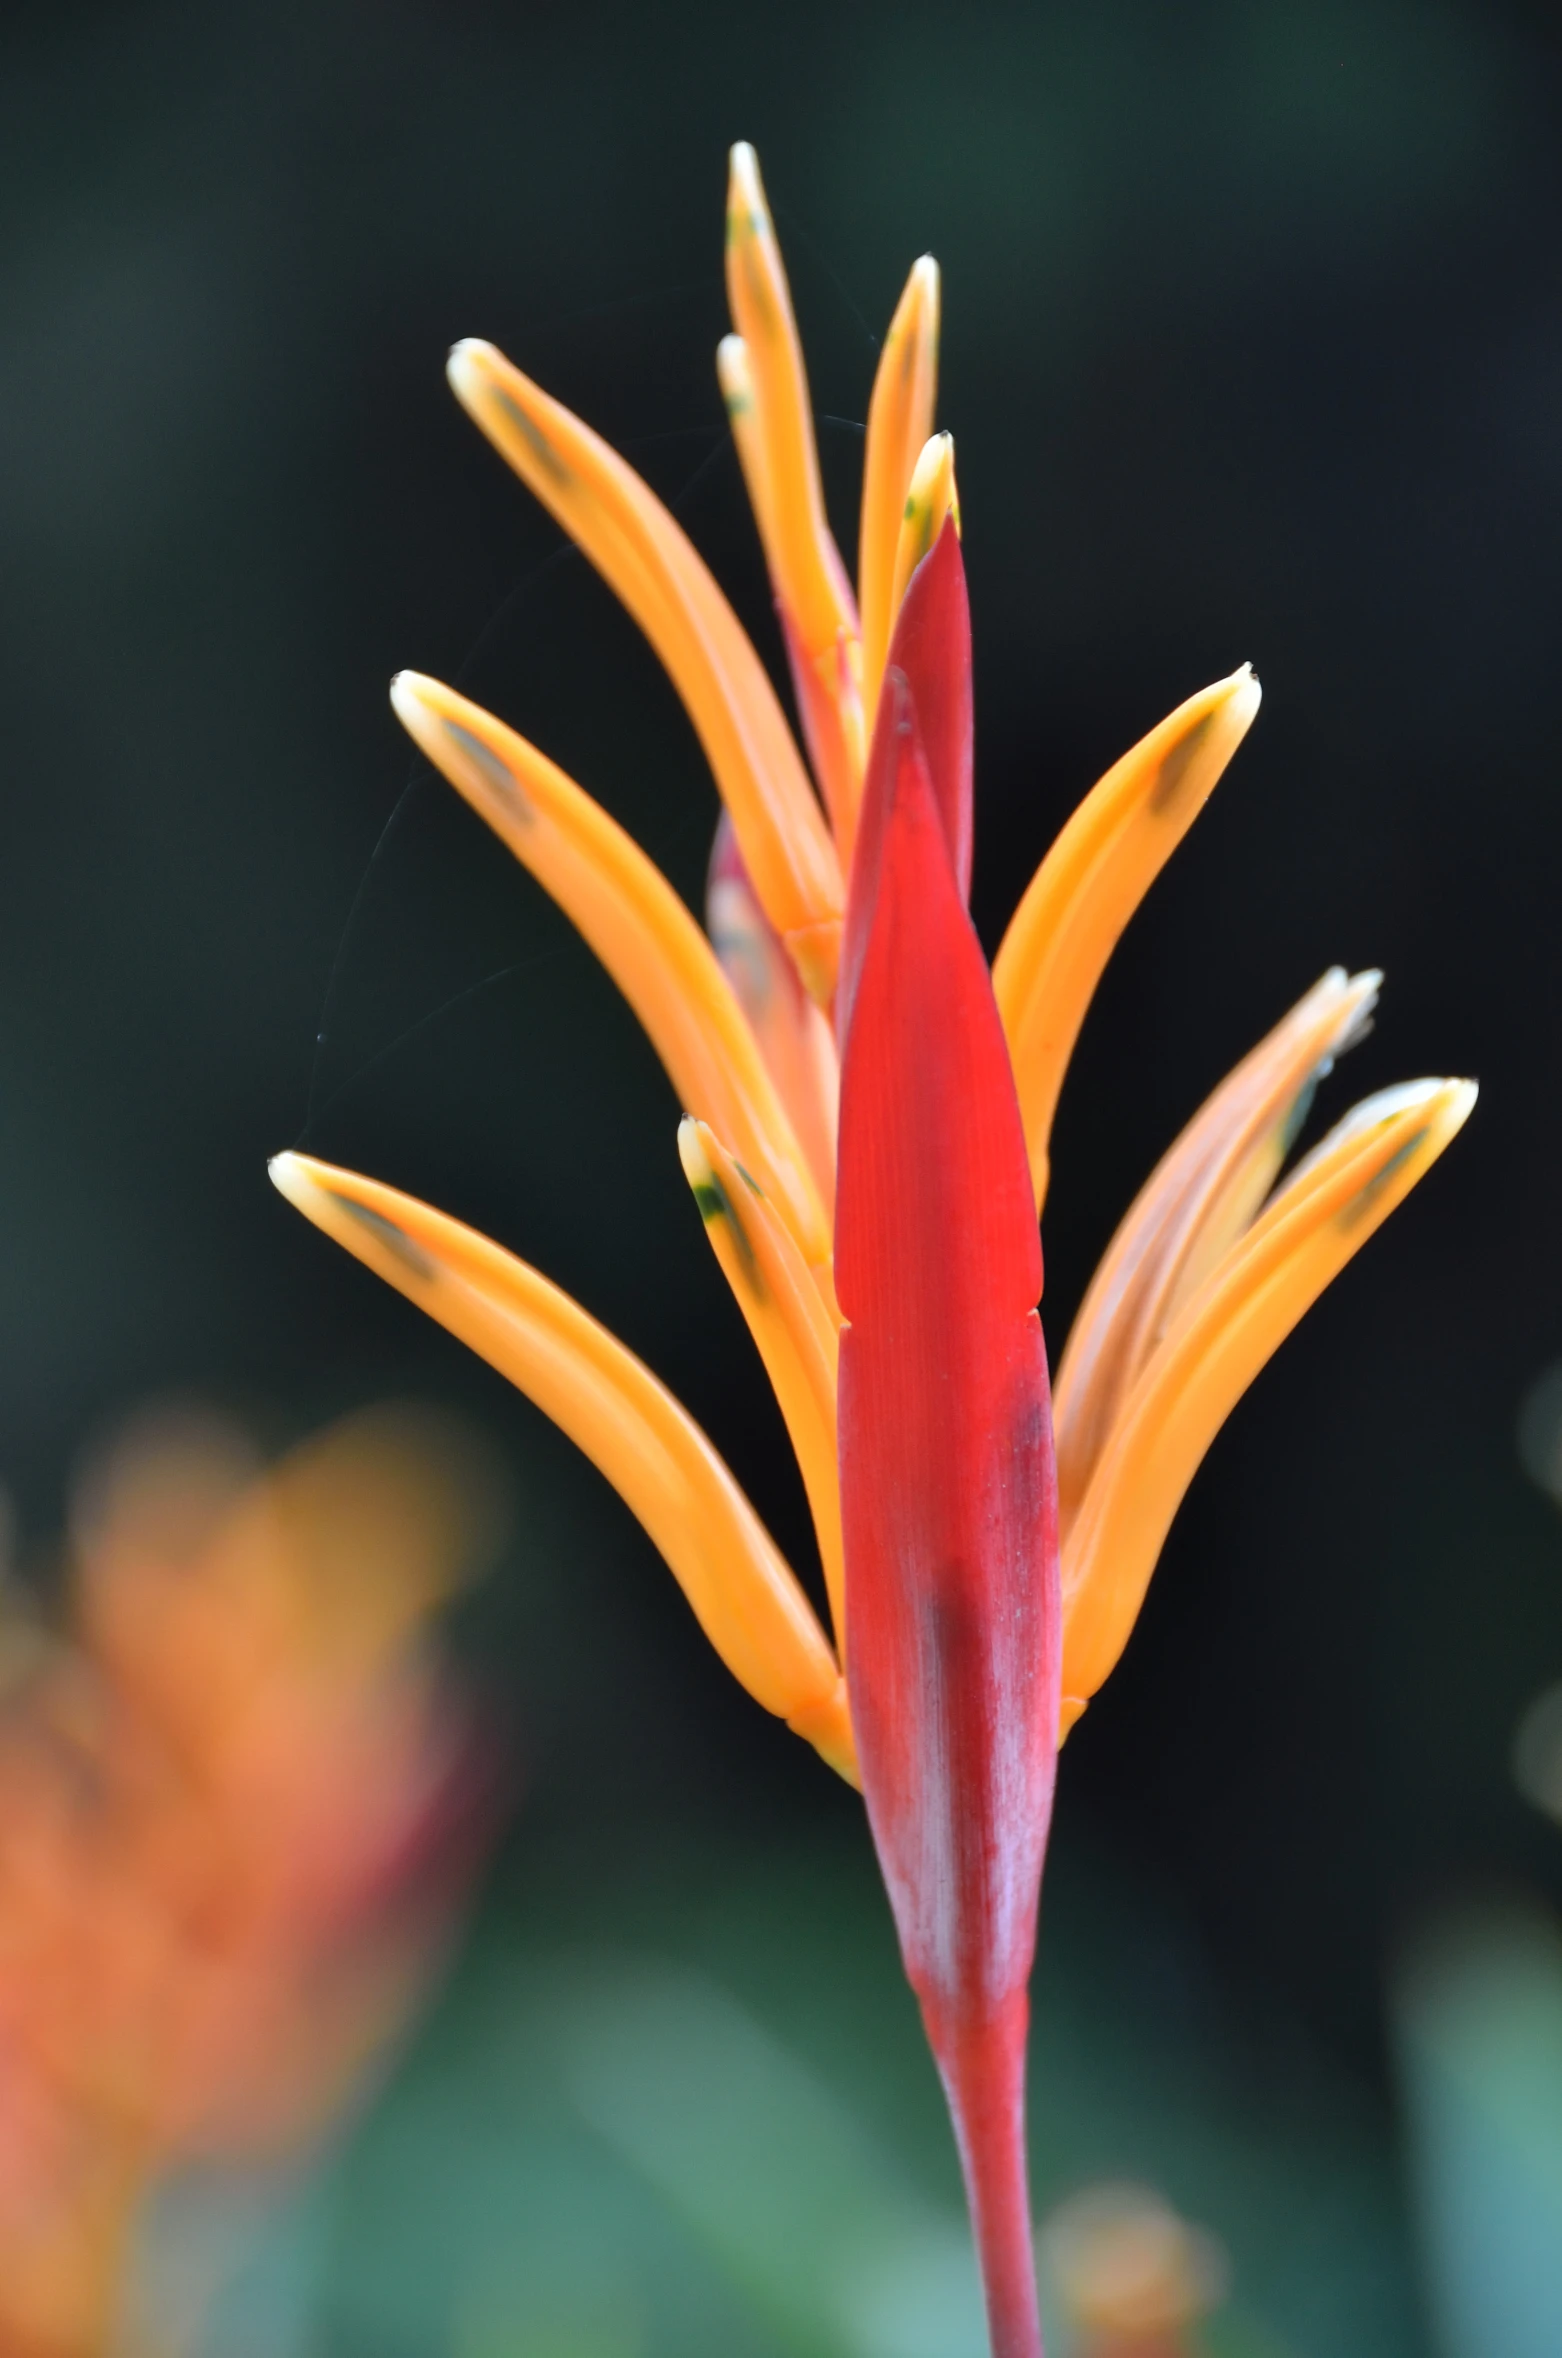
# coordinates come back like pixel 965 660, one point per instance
pixel 286 1174
pixel 1245 693
pixel 466 366
pixel 408 700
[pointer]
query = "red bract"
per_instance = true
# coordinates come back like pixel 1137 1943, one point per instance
pixel 948 1487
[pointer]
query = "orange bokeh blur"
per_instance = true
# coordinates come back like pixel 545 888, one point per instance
pixel 238 1800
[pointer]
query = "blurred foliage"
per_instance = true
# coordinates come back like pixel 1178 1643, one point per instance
pixel 1480 2025
pixel 683 2106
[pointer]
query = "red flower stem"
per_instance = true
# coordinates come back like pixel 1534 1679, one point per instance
pixel 982 2065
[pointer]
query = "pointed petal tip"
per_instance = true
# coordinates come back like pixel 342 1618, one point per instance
pixel 691 1152
pixel 1243 694
pixel 1354 998
pixel 1407 1097
pixel 924 298
pixel 1358 1001
pixel 415 700
pixel 466 366
pixel 290 1175
pixel 409 694
pixel 1413 1120
pixel 745 189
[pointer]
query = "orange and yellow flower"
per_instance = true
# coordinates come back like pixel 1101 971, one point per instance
pixel 1214 1263
pixel 853 1074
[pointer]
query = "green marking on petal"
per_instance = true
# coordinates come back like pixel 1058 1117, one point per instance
pixel 385 1232
pixel 531 434
pixel 1174 768
pixel 748 1179
pixel 716 1204
pixel 1361 1203
pixel 494 772
pixel 1301 1107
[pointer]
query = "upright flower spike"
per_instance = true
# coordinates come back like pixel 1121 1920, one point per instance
pixel 947 1487
pixel 937 1522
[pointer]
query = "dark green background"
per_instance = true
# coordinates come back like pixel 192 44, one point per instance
pixel 1253 349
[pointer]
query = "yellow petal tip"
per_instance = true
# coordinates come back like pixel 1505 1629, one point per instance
pixel 692 1154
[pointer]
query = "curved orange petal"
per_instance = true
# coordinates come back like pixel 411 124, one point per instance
pixel 1090 883
pixel 900 419
pixel 1268 1279
pixel 797 1337
pixel 804 561
pixel 638 927
pixel 1198 1200
pixel 744 1596
pixel 735 376
pixel 647 558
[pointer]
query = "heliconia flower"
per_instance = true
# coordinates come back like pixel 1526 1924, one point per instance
pixel 854 1080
